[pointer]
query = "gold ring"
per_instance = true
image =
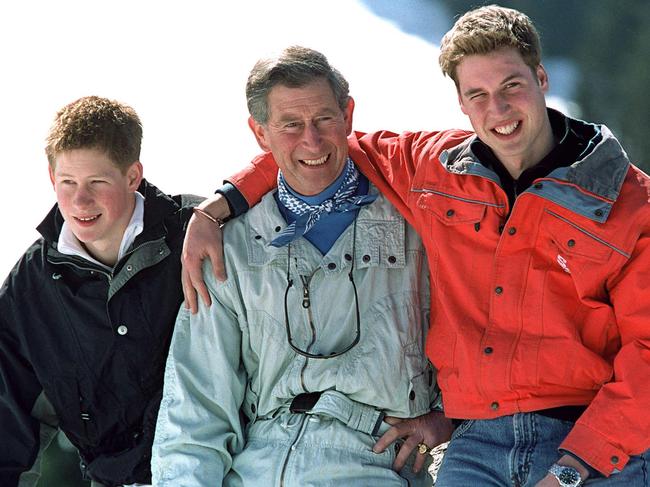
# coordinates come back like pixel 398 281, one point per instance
pixel 423 449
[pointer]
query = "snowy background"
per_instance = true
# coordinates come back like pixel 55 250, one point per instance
pixel 183 67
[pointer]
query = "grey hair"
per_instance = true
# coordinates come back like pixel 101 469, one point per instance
pixel 296 66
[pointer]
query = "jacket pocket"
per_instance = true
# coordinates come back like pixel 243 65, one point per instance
pixel 576 242
pixel 450 210
pixel 580 259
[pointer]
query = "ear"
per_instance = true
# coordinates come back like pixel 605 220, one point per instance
pixel 134 175
pixel 542 78
pixel 259 131
pixel 349 110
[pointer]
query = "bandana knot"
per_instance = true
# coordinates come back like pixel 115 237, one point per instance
pixel 308 215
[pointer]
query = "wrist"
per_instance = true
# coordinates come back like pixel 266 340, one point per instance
pixel 568 472
pixel 204 214
pixel 216 207
pixel 571 461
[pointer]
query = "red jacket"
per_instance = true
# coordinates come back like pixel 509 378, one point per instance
pixel 546 307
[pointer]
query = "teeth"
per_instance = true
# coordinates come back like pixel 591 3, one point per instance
pixel 315 162
pixel 506 129
pixel 87 219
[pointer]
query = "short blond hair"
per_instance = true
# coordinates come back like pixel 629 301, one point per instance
pixel 486 29
pixel 92 122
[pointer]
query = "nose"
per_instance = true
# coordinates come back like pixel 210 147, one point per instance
pixel 311 136
pixel 499 104
pixel 82 197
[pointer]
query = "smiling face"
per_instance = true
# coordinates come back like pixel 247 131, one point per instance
pixel 95 198
pixel 504 100
pixel 307 133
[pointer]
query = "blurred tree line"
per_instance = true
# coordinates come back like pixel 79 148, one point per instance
pixel 609 42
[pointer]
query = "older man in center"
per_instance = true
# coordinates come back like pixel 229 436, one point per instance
pixel 316 343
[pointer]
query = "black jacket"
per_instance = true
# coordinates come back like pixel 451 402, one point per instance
pixel 91 345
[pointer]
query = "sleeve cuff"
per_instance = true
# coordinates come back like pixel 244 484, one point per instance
pixel 236 201
pixel 593 473
pixel 595 449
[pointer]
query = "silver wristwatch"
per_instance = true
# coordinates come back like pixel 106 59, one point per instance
pixel 565 475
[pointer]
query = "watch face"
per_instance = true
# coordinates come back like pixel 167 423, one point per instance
pixel 566 476
pixel 569 476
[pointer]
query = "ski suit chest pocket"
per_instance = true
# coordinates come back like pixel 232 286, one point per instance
pixel 450 210
pixel 575 257
pixel 575 242
pixel 452 223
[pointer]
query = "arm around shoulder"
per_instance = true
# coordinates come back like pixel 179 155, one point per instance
pixel 203 240
pixel 256 179
pixel 398 163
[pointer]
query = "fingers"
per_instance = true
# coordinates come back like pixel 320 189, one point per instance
pixel 194 286
pixel 189 292
pixel 192 280
pixel 215 254
pixel 410 444
pixel 202 289
pixel 399 430
pixel 203 239
pixel 391 420
pixel 430 429
pixel 420 460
